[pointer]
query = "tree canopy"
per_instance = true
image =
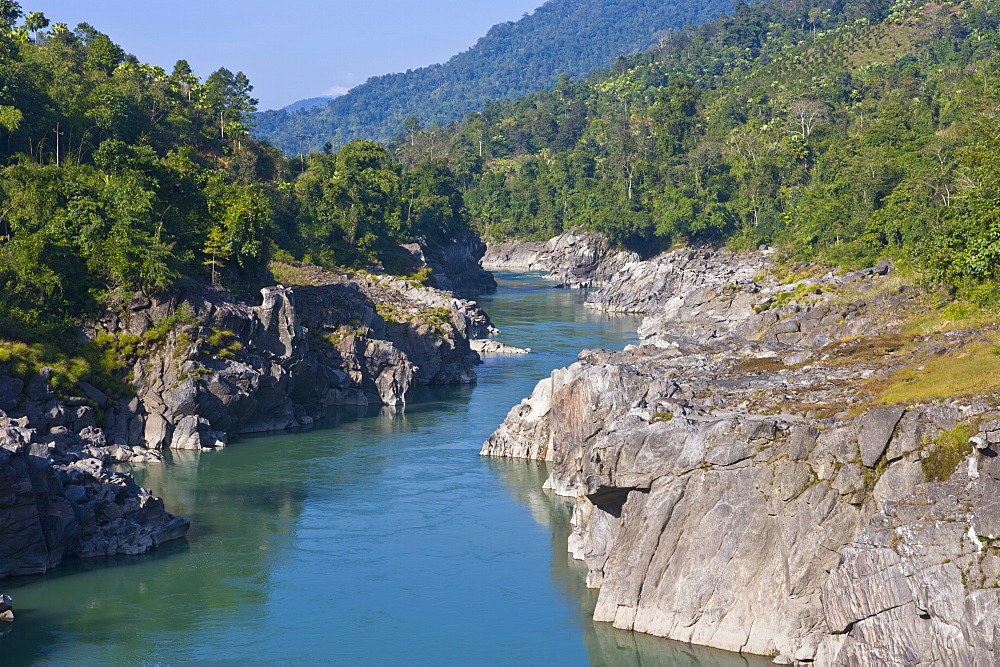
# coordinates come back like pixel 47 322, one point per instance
pixel 116 176
pixel 571 37
pixel 832 129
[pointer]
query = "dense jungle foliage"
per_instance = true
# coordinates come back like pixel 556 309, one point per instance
pixel 571 37
pixel 845 130
pixel 840 131
pixel 117 176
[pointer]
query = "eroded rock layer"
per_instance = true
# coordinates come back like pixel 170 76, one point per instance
pixel 58 500
pixel 197 368
pixel 229 368
pixel 741 484
pixel 573 259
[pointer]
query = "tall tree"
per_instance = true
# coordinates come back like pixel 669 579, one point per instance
pixel 36 22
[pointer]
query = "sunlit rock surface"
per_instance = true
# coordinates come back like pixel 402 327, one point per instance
pixel 739 485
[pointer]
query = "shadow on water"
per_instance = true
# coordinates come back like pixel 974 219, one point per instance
pixel 606 645
pixel 243 500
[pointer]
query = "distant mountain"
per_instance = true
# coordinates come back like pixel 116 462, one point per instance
pixel 570 37
pixel 308 104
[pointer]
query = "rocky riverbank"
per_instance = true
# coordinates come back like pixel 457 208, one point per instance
pixel 573 259
pixel 768 472
pixel 227 368
pixel 199 367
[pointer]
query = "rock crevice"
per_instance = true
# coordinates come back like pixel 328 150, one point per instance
pixel 736 487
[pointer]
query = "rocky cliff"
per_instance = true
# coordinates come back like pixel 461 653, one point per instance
pixel 456 265
pixel 58 500
pixel 222 367
pixel 573 259
pixel 742 480
pixel 199 367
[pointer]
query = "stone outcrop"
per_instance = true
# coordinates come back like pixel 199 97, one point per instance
pixel 455 265
pixel 490 346
pixel 738 483
pixel 573 259
pixel 6 609
pixel 201 367
pixel 58 500
pixel 672 284
pixel 224 367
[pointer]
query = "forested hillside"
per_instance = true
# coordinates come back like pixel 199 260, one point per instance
pixel 571 37
pixel 838 131
pixel 117 176
pixel 845 131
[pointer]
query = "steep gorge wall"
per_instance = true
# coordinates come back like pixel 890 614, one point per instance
pixel 204 367
pixel 736 488
pixel 573 259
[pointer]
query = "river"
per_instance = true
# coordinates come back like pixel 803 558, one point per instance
pixel 378 537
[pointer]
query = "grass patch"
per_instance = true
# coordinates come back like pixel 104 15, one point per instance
pixel 975 369
pixel 438 318
pixel 867 348
pixel 391 315
pixel 100 362
pixel 661 416
pixel 760 365
pixel 949 450
pixel 89 362
pixel 221 344
pixel 286 273
pixel 422 277
pixel 955 315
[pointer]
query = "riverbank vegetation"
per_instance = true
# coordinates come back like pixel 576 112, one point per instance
pixel 117 176
pixel 839 131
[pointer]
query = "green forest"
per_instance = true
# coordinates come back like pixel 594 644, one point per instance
pixel 839 130
pixel 117 176
pixel 843 132
pixel 571 37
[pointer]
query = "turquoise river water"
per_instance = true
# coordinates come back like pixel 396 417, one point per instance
pixel 379 537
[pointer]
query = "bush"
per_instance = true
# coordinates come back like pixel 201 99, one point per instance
pixel 949 450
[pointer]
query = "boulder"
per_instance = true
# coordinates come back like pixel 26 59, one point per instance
pixel 10 392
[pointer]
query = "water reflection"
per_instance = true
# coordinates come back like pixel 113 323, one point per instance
pixel 376 536
pixel 606 645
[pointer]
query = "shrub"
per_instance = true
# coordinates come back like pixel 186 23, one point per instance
pixel 949 450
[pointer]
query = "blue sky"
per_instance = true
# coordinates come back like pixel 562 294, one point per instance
pixel 291 49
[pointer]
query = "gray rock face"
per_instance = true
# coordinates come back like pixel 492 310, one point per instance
pixel 697 289
pixel 573 259
pixel 718 503
pixel 489 346
pixel 456 266
pixel 56 501
pixel 10 392
pixel 343 340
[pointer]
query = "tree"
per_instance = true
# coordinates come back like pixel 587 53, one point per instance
pixel 244 214
pixel 10 12
pixel 815 16
pixel 36 22
pixel 229 94
pixel 805 115
pixel 412 127
pixel 183 78
pixel 215 249
pixel 103 55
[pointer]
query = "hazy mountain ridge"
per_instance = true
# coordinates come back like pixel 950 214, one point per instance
pixel 308 103
pixel 570 37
